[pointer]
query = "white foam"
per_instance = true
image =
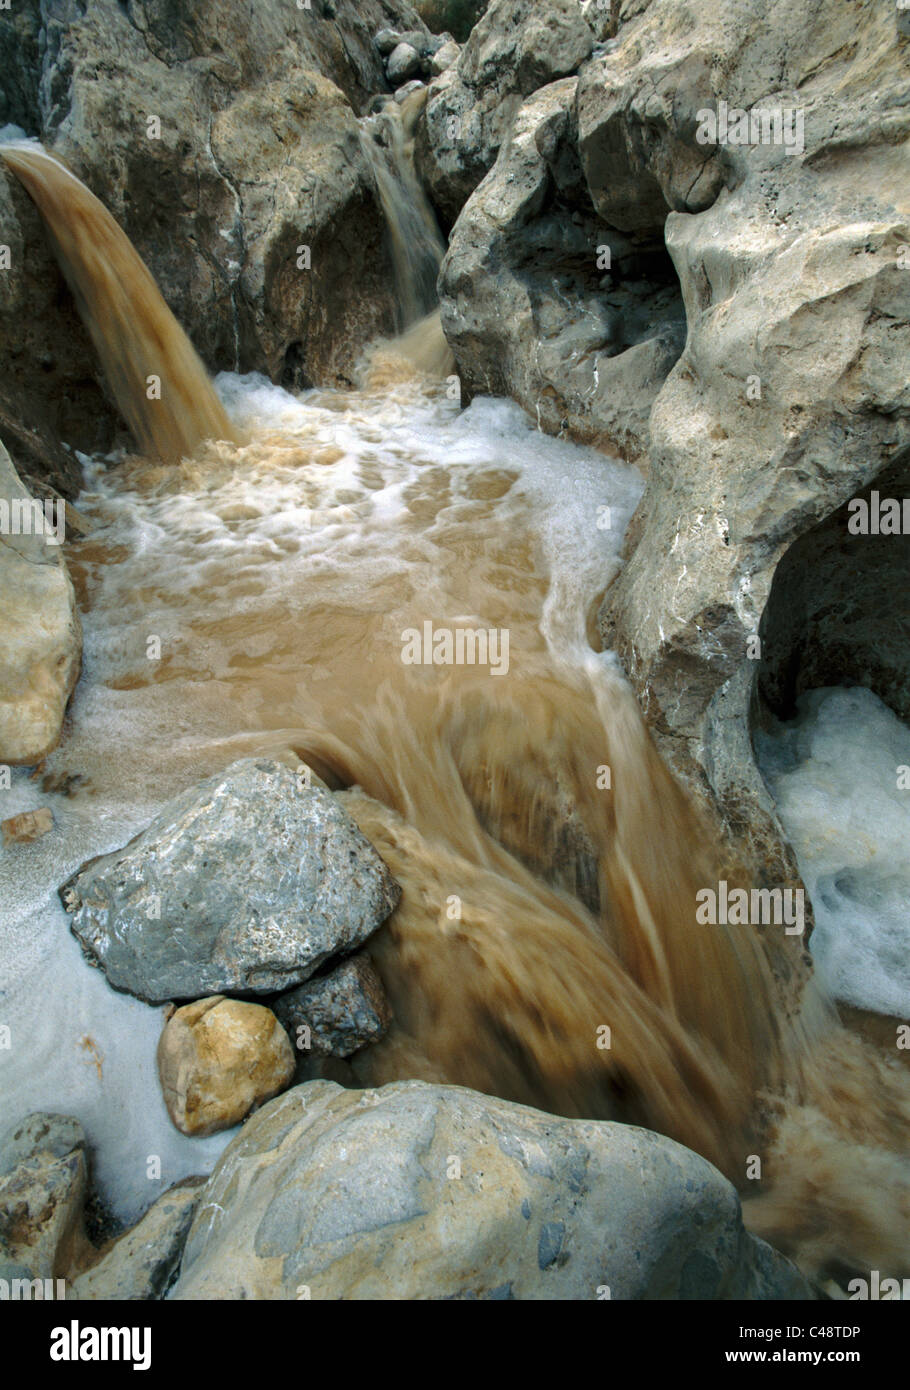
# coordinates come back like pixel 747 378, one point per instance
pixel 834 774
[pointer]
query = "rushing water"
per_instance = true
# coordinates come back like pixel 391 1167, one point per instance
pixel 416 244
pixel 549 862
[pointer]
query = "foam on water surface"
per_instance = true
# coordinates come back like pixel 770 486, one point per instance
pixel 347 512
pixel 835 774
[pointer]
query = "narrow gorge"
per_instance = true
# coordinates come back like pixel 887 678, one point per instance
pixel 454 748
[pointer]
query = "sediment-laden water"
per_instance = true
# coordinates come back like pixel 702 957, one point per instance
pixel 269 592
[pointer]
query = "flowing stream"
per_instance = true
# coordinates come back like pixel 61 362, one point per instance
pixel 284 551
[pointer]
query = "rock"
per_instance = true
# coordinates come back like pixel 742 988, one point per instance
pixel 444 57
pixel 40 633
pixel 523 306
pixel 218 1059
pixel 438 1192
pixel 257 153
pixel 27 827
pixel 408 90
pixel 43 1184
pixel 403 64
pixel 517 47
pixel 343 1011
pixel 451 17
pixel 387 40
pixel 245 882
pixel 39 1134
pixel 790 397
pixel 144 1261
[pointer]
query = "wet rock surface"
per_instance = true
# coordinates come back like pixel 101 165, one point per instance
pixel 517 47
pixel 452 1195
pixel 543 302
pixel 142 1263
pixel 245 883
pixel 337 1013
pixel 223 140
pixel 218 1059
pixel 789 397
pixel 43 1185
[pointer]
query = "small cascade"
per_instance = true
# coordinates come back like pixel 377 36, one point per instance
pixel 157 378
pixel 417 246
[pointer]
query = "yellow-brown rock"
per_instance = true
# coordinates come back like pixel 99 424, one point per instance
pixel 218 1059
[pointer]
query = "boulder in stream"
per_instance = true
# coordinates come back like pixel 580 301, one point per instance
pixel 43 1185
pixel 243 884
pixel 338 1013
pixel 218 1059
pixel 437 1192
pixel 143 1262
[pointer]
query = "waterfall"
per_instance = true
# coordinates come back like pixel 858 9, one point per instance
pixel 416 243
pixel 158 381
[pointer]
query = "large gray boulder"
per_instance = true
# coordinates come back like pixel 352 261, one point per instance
pixel 245 884
pixel 40 632
pixel 417 1191
pixel 516 47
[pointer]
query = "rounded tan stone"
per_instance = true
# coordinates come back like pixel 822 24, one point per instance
pixel 218 1059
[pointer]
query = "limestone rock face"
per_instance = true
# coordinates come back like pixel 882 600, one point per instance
pixel 450 1194
pixel 223 139
pixel 218 1059
pixel 529 306
pixel 43 1183
pixel 791 395
pixel 515 48
pixel 143 1262
pixel 728 310
pixel 342 1011
pixel 245 882
pixel 40 632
